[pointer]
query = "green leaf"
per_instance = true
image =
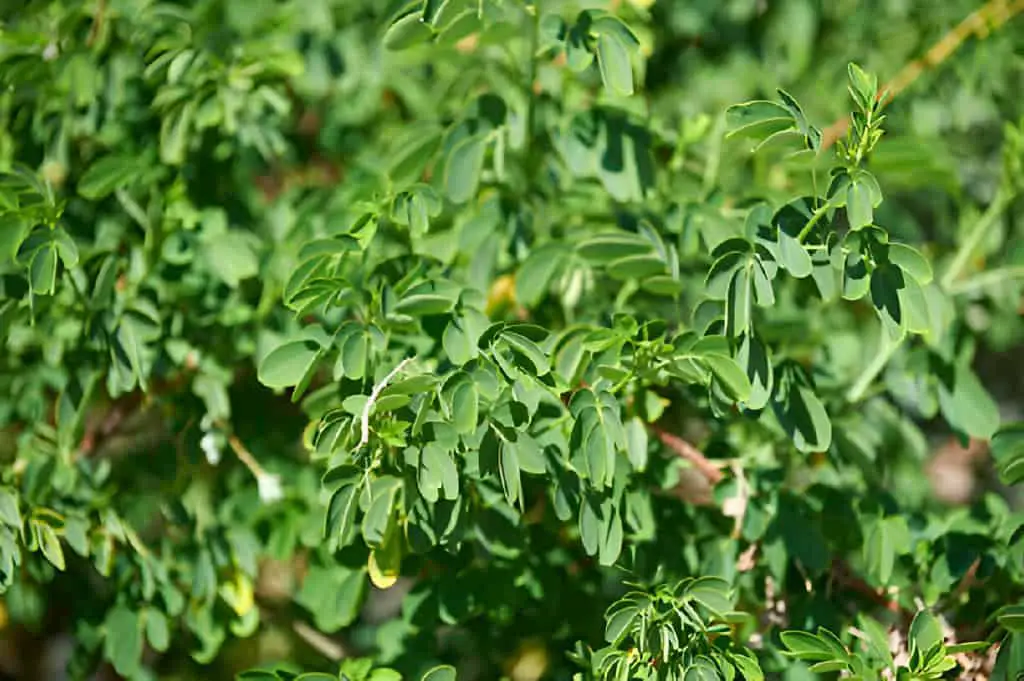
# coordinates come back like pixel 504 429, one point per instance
pixel 433 10
pixel 597 436
pixel 287 364
pixel 638 267
pixel 856 280
pixel 863 87
pixel 378 516
pixel 340 520
pixel 859 208
pixel 966 405
pixel 535 274
pixel 42 271
pixel 230 256
pixel 611 535
pixel 174 131
pixel 886 540
pixel 157 630
pixel 730 375
pixel 535 359
pixel 758 119
pixel 827 276
pixel 925 632
pixel 764 295
pixel 122 642
pixel 50 544
pixel 10 514
pixel 333 594
pixel 739 303
pixel 440 673
pixel 464 166
pixel 748 667
pixel 886 284
pixel 702 670
pixel 1010 659
pixel 590 527
pixel 793 256
pixel 1012 617
pixel 465 405
pixel 258 675
pixel 913 304
pixel 911 262
pixel 800 413
pixel 441 470
pixel 13 230
pixel 613 60
pixel 578 54
pixel 829 666
pixel 636 443
pixel 107 174
pixel 608 246
pixel 754 358
pixel 384 674
pixel 354 349
pixel 424 304
pixel 459 341
pixel 511 483
pixel 806 646
pixel 414 151
pixel 1007 449
pixel 407 32
pixel 712 593
pixel 619 623
pixel 970 647
pixel 609 23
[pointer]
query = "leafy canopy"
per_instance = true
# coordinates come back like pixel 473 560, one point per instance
pixel 569 373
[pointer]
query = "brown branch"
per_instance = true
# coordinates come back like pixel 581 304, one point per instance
pixel 687 451
pixel 850 581
pixel 100 428
pixel 978 23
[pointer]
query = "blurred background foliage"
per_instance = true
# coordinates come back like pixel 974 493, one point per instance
pixel 273 118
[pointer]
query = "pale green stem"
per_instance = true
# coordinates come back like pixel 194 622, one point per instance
pixel 885 350
pixel 817 215
pixel 984 279
pixel 975 237
pixel 714 155
pixel 531 104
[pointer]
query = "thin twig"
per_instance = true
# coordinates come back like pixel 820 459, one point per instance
pixel 364 437
pixel 979 23
pixel 690 453
pixel 736 506
pixel 97 22
pixel 245 456
pixel 327 647
pixel 986 279
pixel 850 581
pixel 980 230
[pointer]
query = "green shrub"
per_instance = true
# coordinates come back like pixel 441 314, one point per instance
pixel 309 304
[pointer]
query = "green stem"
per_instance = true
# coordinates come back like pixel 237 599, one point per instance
pixel 975 237
pixel 79 293
pixel 885 350
pixel 817 215
pixel 710 175
pixel 532 78
pixel 985 279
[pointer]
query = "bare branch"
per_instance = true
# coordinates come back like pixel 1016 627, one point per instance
pixel 690 453
pixel 372 399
